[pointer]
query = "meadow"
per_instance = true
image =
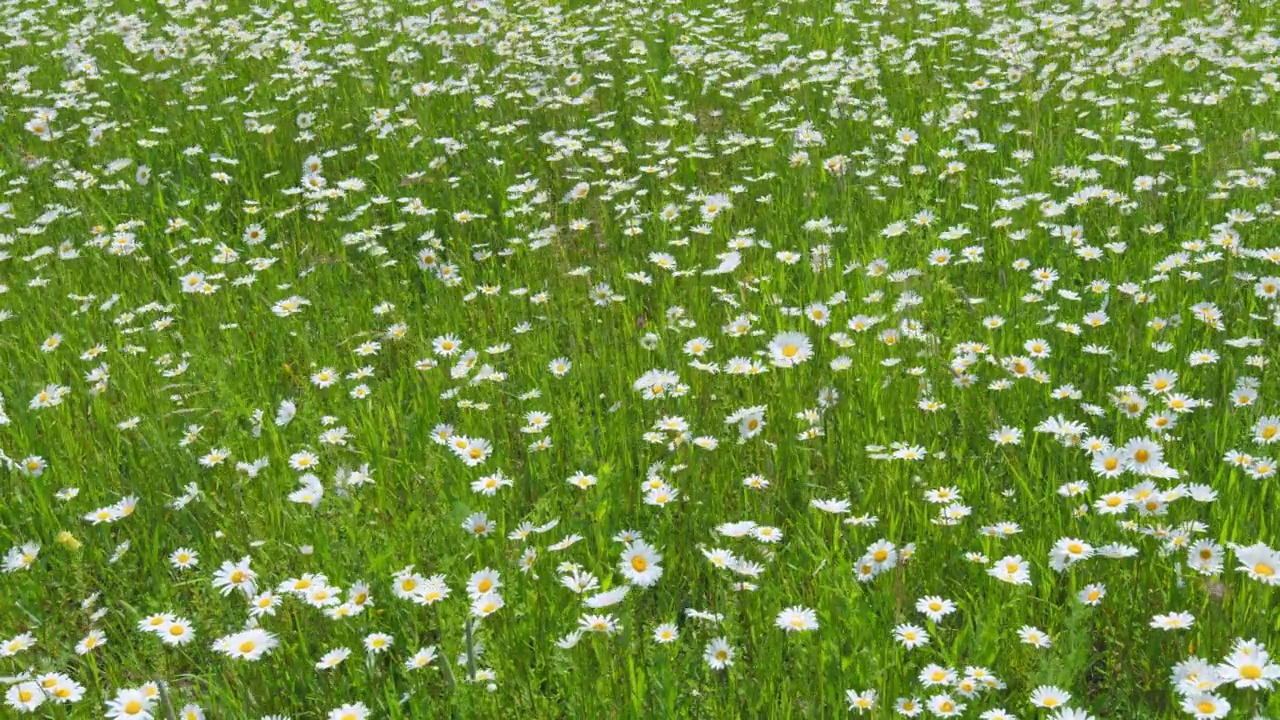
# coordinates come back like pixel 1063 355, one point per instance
pixel 645 359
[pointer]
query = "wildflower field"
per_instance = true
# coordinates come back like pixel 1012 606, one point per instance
pixel 645 359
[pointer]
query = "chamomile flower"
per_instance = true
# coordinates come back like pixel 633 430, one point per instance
pixel 797 619
pixel 718 654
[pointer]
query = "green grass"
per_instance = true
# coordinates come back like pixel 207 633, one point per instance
pixel 1074 106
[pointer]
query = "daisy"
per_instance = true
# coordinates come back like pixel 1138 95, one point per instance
pixel 1092 594
pixel 1032 636
pixel 1259 562
pixel 861 701
pixel 24 696
pixel 184 558
pixel 378 643
pixel 1011 569
pixel 424 657
pixel 1206 706
pixel 666 633
pixel 606 624
pixel 911 636
pixel 1173 621
pixel 790 348
pixel 937 676
pixel 718 654
pixel 934 607
pixel 177 632
pixel 639 564
pixel 1049 697
pixel 483 582
pixel 486 605
pixel 944 706
pixel 356 711
pixel 235 576
pixel 249 645
pixel 908 707
pixel 333 658
pixel 1249 667
pixel 797 619
pixel 91 641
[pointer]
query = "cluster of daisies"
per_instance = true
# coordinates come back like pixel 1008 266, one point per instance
pixel 636 242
